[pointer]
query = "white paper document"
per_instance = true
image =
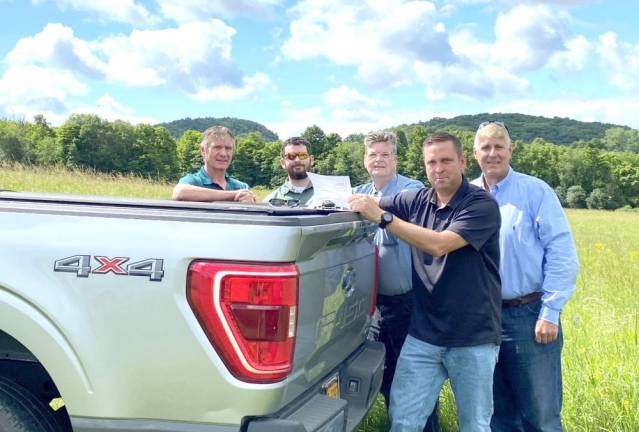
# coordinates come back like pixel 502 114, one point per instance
pixel 335 189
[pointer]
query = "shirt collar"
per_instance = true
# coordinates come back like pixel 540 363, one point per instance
pixel 504 182
pixel 287 186
pixel 459 194
pixel 391 183
pixel 207 179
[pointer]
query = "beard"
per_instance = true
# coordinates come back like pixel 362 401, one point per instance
pixel 297 172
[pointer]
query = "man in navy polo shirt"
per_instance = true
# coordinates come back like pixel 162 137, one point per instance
pixel 211 182
pixel 453 230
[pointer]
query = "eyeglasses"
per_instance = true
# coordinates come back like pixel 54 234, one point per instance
pixel 486 123
pixel 292 156
pixel 282 202
pixel 382 156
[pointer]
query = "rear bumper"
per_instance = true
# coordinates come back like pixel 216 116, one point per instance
pixel 361 378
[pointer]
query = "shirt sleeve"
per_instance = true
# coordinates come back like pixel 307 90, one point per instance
pixel 412 185
pixel 401 204
pixel 560 263
pixel 190 179
pixel 477 221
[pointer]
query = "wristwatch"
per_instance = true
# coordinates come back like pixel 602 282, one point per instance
pixel 387 218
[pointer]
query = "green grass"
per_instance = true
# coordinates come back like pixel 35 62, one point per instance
pixel 60 180
pixel 600 322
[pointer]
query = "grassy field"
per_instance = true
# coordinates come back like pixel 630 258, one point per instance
pixel 60 180
pixel 601 351
pixel 600 323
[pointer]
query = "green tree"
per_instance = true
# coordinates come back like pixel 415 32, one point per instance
pixel 346 159
pixel 13 145
pixel 621 139
pixel 599 198
pixel 153 153
pixel 189 158
pixel 413 163
pixel 539 159
pixel 87 140
pixel 45 148
pixel 247 160
pixel 576 197
pixel 317 138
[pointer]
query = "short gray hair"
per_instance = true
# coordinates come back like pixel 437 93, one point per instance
pixel 381 136
pixel 215 133
pixel 492 130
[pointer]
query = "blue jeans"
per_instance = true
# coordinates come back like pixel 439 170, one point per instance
pixel 527 387
pixel 394 319
pixel 421 371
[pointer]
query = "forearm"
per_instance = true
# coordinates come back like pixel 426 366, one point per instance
pixel 187 192
pixel 432 242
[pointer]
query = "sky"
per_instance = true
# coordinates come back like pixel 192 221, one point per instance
pixel 348 66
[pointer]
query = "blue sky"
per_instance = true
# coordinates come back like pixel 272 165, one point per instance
pixel 348 66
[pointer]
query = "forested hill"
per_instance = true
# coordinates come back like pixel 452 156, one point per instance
pixel 525 127
pixel 238 126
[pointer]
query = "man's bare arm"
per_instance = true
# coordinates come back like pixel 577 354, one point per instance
pixel 187 192
pixel 432 242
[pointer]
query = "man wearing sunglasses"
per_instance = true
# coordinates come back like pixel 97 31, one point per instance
pixel 394 296
pixel 538 270
pixel 212 182
pixel 296 161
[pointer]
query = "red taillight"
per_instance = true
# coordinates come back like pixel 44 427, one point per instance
pixel 371 311
pixel 249 313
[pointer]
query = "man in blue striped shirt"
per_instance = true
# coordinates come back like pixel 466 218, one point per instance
pixel 538 270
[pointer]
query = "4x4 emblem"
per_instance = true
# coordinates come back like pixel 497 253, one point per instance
pixel 81 266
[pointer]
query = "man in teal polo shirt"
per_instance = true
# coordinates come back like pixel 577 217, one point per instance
pixel 211 182
pixel 296 161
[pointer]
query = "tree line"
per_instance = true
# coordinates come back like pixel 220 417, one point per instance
pixel 601 173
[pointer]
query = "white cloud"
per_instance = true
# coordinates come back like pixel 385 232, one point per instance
pixel 190 57
pixel 350 113
pixel 620 60
pixel 201 10
pixel 528 35
pixel 108 108
pixel 347 104
pixel 468 81
pixel 421 49
pixel 608 110
pixel 366 35
pixel 578 50
pixel 28 90
pixel 45 70
pixel 56 48
pixel 344 96
pixel 251 86
pixel 125 11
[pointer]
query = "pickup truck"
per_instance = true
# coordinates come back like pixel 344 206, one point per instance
pixel 128 315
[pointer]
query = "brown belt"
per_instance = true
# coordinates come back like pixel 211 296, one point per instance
pixel 528 298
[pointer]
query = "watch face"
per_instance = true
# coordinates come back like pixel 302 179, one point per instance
pixel 386 219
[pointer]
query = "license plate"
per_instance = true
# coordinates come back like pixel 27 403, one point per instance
pixel 331 387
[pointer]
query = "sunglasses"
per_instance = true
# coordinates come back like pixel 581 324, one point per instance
pixel 292 156
pixel 486 123
pixel 282 202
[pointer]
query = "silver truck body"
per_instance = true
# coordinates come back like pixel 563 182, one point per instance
pixel 126 351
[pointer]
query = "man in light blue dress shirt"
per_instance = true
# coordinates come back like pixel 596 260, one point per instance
pixel 394 297
pixel 538 270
